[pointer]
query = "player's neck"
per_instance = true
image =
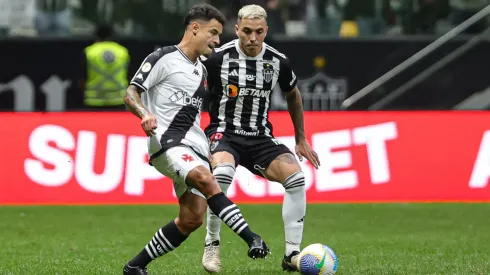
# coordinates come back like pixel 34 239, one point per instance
pixel 251 54
pixel 186 47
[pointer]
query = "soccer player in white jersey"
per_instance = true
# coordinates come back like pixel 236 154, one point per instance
pixel 166 93
pixel 242 75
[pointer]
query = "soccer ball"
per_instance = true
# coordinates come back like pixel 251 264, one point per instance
pixel 317 259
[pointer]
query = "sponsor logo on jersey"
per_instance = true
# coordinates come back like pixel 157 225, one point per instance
pixel 233 91
pixel 245 133
pixel 187 100
pixel 250 77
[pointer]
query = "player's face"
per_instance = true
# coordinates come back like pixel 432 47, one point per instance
pixel 208 36
pixel 251 33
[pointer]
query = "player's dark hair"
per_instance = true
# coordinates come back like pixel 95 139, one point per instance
pixel 103 31
pixel 204 12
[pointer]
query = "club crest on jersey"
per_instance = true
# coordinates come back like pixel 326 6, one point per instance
pixel 231 90
pixel 213 145
pixel 268 72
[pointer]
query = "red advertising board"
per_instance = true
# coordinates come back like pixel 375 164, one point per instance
pixel 101 158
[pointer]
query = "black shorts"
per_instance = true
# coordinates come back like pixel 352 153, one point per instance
pixel 254 153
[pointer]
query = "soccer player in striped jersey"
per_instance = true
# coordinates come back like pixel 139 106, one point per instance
pixel 241 76
pixel 166 93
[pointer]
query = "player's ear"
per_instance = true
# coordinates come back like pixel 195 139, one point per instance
pixel 266 30
pixel 194 27
pixel 236 29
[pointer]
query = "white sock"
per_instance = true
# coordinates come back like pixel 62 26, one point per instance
pixel 293 211
pixel 224 173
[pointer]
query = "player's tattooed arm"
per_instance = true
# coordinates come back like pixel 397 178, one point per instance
pixel 295 108
pixel 132 99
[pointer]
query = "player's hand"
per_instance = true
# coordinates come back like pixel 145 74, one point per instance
pixel 149 124
pixel 303 149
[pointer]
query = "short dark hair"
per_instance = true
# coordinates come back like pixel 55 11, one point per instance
pixel 204 12
pixel 103 31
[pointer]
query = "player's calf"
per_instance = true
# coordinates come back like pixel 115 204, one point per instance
pixel 285 169
pixel 188 225
pixel 191 214
pixel 294 211
pixel 211 262
pixel 226 210
pixel 224 173
pixel 165 240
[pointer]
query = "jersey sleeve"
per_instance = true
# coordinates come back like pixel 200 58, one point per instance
pixel 152 71
pixel 287 79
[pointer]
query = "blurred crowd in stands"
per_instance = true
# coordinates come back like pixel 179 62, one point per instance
pixel 291 18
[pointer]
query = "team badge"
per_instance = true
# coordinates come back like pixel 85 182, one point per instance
pixel 146 67
pixel 268 72
pixel 213 146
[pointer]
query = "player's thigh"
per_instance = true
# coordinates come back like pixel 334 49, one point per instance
pixel 283 166
pixel 181 164
pixel 272 159
pixel 222 157
pixel 223 149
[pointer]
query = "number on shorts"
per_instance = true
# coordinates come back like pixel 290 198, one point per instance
pixel 216 136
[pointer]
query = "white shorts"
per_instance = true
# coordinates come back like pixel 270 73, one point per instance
pixel 176 163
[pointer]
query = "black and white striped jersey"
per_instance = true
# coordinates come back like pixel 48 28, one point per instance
pixel 241 88
pixel 175 89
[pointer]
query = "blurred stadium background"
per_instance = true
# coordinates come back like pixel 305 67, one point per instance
pixel 396 96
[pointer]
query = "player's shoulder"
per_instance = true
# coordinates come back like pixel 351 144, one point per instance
pixel 222 50
pixel 160 54
pixel 165 50
pixel 271 50
pixel 217 55
pixel 226 47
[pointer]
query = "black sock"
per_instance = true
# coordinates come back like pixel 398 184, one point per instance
pixel 227 211
pixel 165 240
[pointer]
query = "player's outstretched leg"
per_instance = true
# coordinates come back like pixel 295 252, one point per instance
pixel 227 211
pixel 286 169
pixel 164 241
pixel 293 213
pixel 211 262
pixel 169 237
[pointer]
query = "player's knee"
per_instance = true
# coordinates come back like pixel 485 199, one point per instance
pixel 194 223
pixel 224 173
pixel 206 183
pixel 205 179
pixel 295 182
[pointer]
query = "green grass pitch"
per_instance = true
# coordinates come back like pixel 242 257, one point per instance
pixel 368 239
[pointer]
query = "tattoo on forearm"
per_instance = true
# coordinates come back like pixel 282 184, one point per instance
pixel 132 99
pixel 295 107
pixel 287 158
